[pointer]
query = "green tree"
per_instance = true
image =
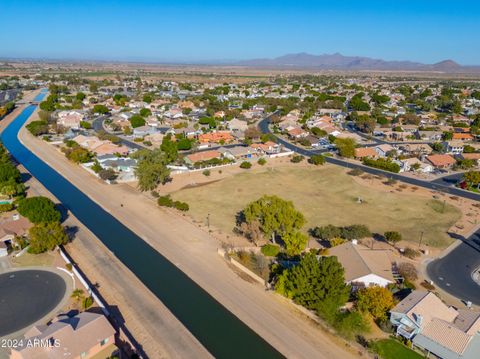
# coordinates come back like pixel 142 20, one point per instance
pixel 472 178
pixel 376 301
pixel 101 109
pixel 295 242
pixel 393 237
pixel 317 284
pixel 170 149
pixel 80 96
pixel 38 128
pixel 79 155
pixel 137 121
pixel 346 147
pixel 245 165
pixel 144 112
pixel 46 236
pixel 38 209
pixel 184 144
pixel 152 169
pixel 317 160
pixel 148 98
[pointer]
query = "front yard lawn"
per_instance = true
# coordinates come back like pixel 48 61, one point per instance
pixel 392 349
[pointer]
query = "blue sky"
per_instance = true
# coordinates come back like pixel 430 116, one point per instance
pixel 425 31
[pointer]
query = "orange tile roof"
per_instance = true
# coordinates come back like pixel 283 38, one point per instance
pixel 215 137
pixel 365 152
pixel 462 136
pixel 441 160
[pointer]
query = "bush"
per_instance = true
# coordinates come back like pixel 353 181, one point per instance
pixel 86 125
pixel 245 165
pixel 411 253
pixel 297 159
pixel 107 174
pixel 270 250
pixel 262 161
pixel 408 271
pixel 317 160
pixel 181 206
pixel 154 194
pixel 355 172
pixel 38 128
pixel 336 242
pixel 381 163
pixel 6 207
pixel 38 209
pixel 206 173
pixel 356 231
pixel 165 201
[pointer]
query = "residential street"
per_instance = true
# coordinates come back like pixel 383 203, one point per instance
pixel 453 272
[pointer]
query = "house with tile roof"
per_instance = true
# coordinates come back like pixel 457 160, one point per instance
pixel 364 266
pixel 441 330
pixel 85 335
pixel 363 152
pixel 441 161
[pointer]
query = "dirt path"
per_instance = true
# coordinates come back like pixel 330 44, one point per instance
pixel 195 253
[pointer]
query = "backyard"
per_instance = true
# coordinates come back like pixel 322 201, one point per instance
pixel 325 195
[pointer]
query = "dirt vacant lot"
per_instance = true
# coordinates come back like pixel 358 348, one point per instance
pixel 325 195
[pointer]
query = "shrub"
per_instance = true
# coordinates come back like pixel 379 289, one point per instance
pixel 181 206
pixel 262 161
pixel 297 158
pixel 336 242
pixel 37 128
pixel 69 266
pixel 154 194
pixel 165 201
pixel 206 173
pixel 317 160
pixel 381 163
pixel 107 174
pixel 411 253
pixel 85 124
pixel 6 207
pixel 245 165
pixel 270 250
pixel 355 172
pixel 38 209
pixel 147 143
pixel 408 271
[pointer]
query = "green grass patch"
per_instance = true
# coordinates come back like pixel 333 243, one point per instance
pixel 392 349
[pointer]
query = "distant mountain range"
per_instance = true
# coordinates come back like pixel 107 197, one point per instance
pixel 339 62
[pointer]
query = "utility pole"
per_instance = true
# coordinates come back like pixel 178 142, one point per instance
pixel 208 221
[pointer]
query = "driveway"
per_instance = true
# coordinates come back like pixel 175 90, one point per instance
pixel 5 264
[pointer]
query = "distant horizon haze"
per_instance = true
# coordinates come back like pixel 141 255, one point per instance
pixel 212 31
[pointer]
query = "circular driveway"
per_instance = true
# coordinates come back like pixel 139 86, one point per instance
pixel 26 296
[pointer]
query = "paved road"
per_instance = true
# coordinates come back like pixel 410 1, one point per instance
pixel 97 125
pixel 453 273
pixel 449 189
pixel 27 296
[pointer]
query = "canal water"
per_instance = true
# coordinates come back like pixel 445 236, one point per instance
pixel 219 331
